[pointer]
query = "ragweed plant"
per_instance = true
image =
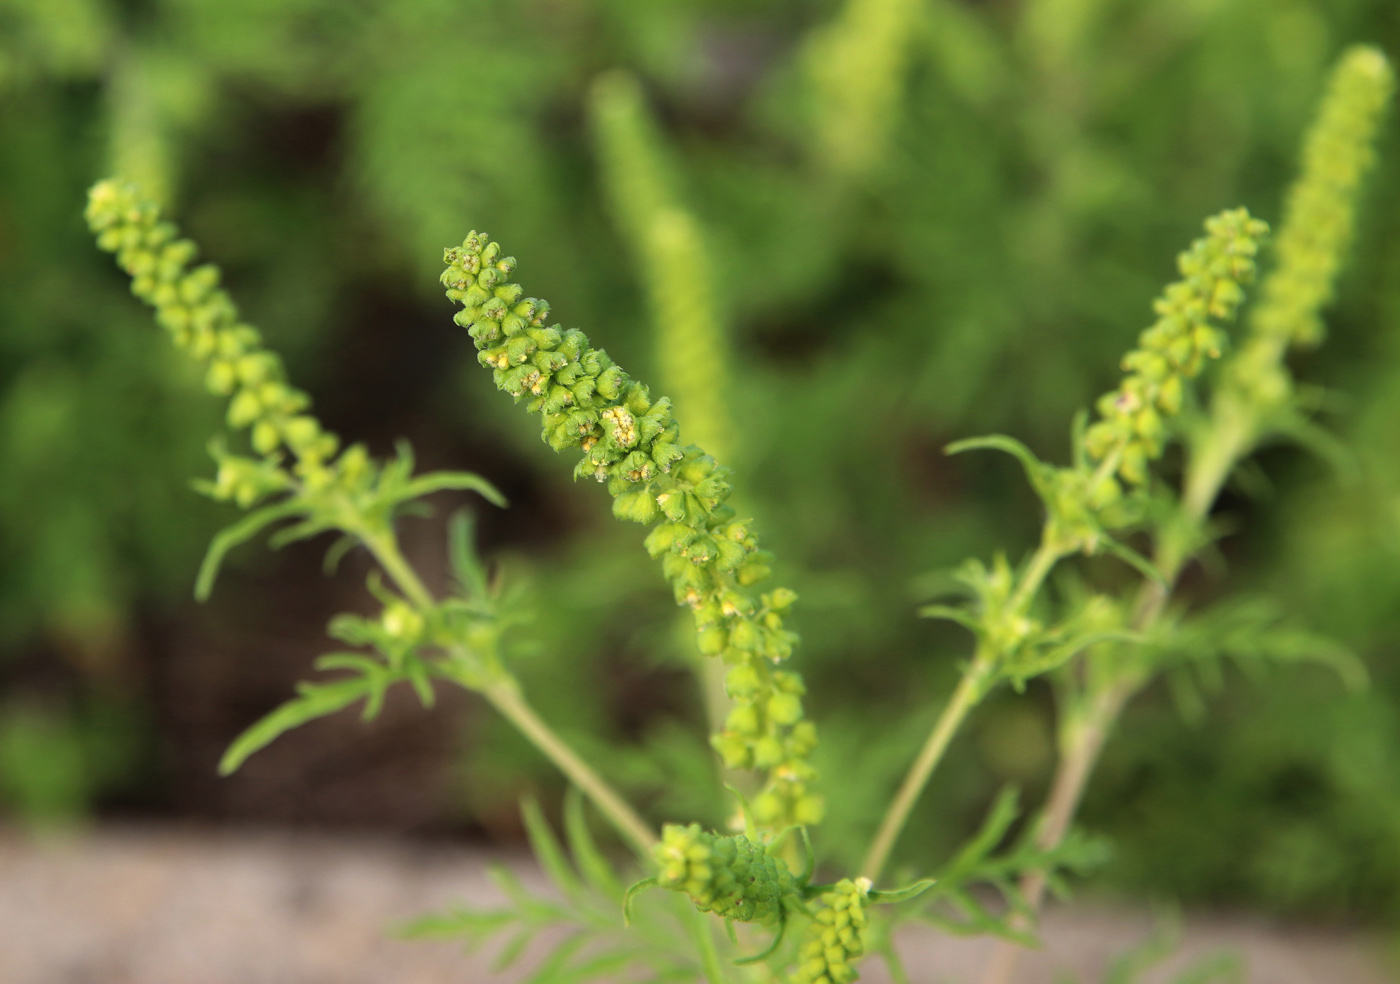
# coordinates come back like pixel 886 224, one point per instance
pixel 1255 400
pixel 299 472
pixel 279 463
pixel 1101 491
pixel 631 443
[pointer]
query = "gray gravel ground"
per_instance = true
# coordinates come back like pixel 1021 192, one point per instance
pixel 151 905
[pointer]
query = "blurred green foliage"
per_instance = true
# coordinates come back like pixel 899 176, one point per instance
pixel 924 219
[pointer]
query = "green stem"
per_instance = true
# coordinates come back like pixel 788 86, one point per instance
pixel 710 963
pixel 1083 737
pixel 1041 563
pixel 505 696
pixel 968 694
pixel 385 548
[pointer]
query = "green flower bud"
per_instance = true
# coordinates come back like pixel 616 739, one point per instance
pixel 742 719
pixel 266 437
pixel 635 507
pixel 711 640
pixel 732 876
pixel 742 680
pixel 836 937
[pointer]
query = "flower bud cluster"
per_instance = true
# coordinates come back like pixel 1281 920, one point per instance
pixel 202 321
pixel 836 936
pixel 630 442
pixel 730 876
pixel 1319 218
pixel 856 66
pixel 1132 428
pixel 668 244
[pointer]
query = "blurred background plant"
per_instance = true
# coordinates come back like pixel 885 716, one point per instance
pixel 897 221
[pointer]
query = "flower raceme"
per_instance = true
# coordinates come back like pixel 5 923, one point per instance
pixel 1318 224
pixel 630 442
pixel 835 938
pixel 730 876
pixel 1088 499
pixel 1132 428
pixel 203 321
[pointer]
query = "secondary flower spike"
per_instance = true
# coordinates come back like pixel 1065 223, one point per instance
pixel 630 442
pixel 835 938
pixel 1132 428
pixel 203 322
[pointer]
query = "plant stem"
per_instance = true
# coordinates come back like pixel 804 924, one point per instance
pixel 705 942
pixel 1084 739
pixel 1042 561
pixel 967 695
pixel 385 548
pixel 505 696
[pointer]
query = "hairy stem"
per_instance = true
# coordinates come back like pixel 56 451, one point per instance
pixel 1083 736
pixel 385 548
pixel 505 696
pixel 968 695
pixel 710 963
pixel 1042 561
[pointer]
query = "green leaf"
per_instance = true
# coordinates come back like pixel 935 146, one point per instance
pixel 1135 560
pixel 461 481
pixel 999 820
pixel 1049 658
pixel 342 546
pixel 895 896
pixel 1034 467
pixel 533 908
pixel 240 532
pixel 511 952
pixel 590 860
pixel 948 613
pixel 419 678
pixel 773 945
pixel 553 969
pixel 455 923
pixel 304 530
pixel 550 852
pixel 314 701
pixel 467 567
pixel 633 889
pixel 357 662
pixel 1252 631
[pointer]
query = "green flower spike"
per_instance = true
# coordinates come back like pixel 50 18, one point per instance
pixel 1085 501
pixel 203 322
pixel 1321 210
pixel 1132 428
pixel 298 475
pixel 731 876
pixel 836 936
pixel 1318 223
pixel 630 442
pixel 321 487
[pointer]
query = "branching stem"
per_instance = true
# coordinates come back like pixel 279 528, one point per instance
pixel 1084 735
pixel 385 548
pixel 968 695
pixel 505 696
pixel 973 686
